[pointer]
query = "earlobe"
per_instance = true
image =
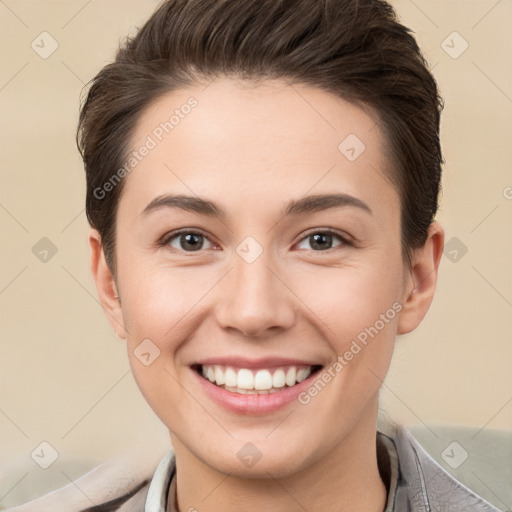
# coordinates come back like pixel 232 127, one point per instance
pixel 423 279
pixel 106 285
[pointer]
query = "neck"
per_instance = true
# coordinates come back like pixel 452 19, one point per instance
pixel 345 479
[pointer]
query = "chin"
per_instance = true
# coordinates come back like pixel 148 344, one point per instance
pixel 251 460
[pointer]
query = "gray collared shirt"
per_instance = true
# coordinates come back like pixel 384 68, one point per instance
pixel 415 481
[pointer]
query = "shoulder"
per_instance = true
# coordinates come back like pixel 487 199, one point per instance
pixel 110 497
pixel 424 485
pixel 120 485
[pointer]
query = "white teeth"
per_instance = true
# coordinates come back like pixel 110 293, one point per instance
pixel 252 391
pixel 291 375
pixel 278 379
pixel 263 380
pixel 303 374
pixel 219 375
pixel 230 378
pixel 246 381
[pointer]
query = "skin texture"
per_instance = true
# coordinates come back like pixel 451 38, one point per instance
pixel 251 150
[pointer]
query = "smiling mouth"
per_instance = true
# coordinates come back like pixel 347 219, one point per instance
pixel 255 381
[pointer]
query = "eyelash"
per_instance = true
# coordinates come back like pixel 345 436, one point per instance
pixel 164 241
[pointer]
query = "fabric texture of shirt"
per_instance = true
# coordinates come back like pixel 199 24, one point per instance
pixel 415 482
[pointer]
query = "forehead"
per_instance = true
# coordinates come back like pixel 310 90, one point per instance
pixel 254 140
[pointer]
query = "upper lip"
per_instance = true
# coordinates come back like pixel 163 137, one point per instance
pixel 265 362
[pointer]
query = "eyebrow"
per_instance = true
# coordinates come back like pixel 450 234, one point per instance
pixel 309 204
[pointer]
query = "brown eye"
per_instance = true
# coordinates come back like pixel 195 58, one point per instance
pixel 188 241
pixel 322 240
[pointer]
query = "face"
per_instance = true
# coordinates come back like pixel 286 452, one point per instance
pixel 280 269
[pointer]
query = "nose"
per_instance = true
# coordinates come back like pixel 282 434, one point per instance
pixel 254 299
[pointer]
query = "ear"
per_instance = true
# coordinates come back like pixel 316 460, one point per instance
pixel 422 279
pixel 106 285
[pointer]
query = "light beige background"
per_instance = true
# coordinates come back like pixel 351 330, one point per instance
pixel 65 377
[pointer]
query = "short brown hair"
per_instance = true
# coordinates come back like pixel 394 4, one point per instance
pixel 356 49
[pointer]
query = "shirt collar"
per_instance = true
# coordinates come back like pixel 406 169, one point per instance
pixel 156 500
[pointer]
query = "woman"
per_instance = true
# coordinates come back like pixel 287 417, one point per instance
pixel 262 183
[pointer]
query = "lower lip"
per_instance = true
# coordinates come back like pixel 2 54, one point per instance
pixel 253 404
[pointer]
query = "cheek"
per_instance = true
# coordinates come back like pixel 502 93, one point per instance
pixel 351 299
pixel 359 308
pixel 160 307
pixel 159 302
pixel 158 310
